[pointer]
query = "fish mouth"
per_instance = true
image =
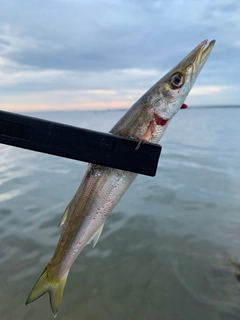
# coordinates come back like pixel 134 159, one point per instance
pixel 195 60
pixel 204 51
pixel 198 57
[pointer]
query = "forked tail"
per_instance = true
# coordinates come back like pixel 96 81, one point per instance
pixel 54 286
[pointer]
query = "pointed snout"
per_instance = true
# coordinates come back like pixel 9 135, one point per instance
pixel 197 57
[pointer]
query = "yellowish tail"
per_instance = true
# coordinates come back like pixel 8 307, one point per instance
pixel 54 286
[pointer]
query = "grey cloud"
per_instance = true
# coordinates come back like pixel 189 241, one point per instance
pixel 101 36
pixel 139 48
pixel 223 6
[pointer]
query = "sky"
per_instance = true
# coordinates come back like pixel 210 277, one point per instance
pixel 103 54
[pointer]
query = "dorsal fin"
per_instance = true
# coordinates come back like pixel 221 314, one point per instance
pixel 65 215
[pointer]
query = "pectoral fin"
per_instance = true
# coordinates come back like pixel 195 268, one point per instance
pixel 147 135
pixel 96 235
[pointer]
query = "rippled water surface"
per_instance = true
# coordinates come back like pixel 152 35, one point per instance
pixel 170 249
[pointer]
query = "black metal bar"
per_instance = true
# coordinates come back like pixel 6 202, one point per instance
pixel 78 144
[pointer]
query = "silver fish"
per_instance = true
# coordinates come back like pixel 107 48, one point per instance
pixel 102 187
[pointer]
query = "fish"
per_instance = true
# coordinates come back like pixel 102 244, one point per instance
pixel 102 187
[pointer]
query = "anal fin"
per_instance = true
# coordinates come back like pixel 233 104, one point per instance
pixel 96 236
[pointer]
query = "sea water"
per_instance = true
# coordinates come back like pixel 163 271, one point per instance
pixel 169 250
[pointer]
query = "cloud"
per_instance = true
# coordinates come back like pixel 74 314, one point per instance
pixel 112 46
pixel 207 90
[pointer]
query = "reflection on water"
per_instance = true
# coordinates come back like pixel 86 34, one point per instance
pixel 170 250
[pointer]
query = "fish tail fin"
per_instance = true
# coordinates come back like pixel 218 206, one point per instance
pixel 54 286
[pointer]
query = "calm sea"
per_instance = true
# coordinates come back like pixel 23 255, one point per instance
pixel 170 249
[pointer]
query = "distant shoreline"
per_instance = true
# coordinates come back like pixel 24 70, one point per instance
pixel 125 109
pixel 214 107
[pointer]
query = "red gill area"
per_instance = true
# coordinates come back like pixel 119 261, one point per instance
pixel 160 121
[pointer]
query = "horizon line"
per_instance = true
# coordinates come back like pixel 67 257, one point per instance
pixel 115 109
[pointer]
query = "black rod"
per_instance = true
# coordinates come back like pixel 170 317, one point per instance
pixel 78 143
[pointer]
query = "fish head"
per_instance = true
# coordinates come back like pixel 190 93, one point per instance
pixel 174 87
pixel 149 117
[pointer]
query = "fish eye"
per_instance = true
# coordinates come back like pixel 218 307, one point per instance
pixel 177 80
